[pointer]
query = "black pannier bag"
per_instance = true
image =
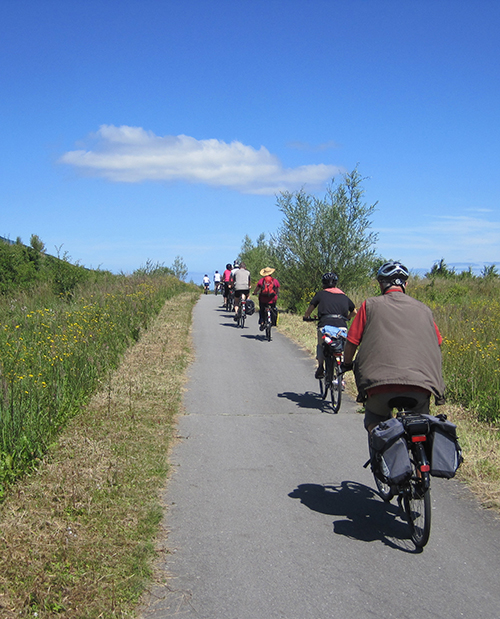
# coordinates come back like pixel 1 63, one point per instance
pixel 389 454
pixel 250 307
pixel 443 448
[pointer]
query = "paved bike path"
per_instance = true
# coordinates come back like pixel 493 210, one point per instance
pixel 271 514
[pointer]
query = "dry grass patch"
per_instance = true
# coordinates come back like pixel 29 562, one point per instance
pixel 480 442
pixel 77 536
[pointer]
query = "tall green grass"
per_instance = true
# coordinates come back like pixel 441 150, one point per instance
pixel 467 312
pixel 54 353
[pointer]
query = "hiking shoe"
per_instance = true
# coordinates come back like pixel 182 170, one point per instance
pixel 320 373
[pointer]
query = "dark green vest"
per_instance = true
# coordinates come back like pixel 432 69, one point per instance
pixel 399 346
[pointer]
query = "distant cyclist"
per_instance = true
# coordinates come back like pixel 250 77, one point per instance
pixel 268 289
pixel 226 279
pixel 217 281
pixel 399 348
pixel 206 283
pixel 241 281
pixel 334 308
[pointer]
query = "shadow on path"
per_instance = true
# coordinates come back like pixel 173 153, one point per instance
pixel 309 399
pixel 365 516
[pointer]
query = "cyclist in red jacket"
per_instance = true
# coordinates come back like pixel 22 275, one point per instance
pixel 268 289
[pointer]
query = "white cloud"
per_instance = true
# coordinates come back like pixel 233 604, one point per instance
pixel 131 155
pixel 460 240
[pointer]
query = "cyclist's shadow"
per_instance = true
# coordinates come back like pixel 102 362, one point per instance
pixel 366 516
pixel 309 399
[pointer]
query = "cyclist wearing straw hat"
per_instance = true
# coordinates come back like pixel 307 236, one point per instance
pixel 267 288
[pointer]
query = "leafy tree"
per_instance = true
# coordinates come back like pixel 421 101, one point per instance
pixel 257 256
pixel 153 268
pixel 489 271
pixel 441 269
pixel 179 268
pixel 320 235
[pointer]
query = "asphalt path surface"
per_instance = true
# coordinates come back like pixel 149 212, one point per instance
pixel 272 515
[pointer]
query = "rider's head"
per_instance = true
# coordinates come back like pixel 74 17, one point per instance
pixel 329 280
pixel 229 266
pixel 392 273
pixel 243 265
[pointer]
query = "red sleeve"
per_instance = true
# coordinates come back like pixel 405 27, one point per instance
pixel 357 327
pixel 439 336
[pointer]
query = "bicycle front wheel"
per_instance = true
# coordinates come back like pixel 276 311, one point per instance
pixel 417 505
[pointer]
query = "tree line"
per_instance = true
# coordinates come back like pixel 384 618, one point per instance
pixel 24 266
pixel 332 233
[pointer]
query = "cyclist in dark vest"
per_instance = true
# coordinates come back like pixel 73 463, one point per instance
pixel 334 308
pixel 399 348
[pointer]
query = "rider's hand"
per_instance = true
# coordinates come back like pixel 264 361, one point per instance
pixel 306 318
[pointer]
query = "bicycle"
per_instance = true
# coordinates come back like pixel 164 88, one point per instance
pixel 230 300
pixel 268 324
pixel 242 313
pixel 414 491
pixel 218 288
pixel 333 350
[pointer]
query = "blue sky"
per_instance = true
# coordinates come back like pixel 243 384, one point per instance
pixel 137 130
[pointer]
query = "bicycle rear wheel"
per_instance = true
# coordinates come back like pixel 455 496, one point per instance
pixel 335 385
pixel 268 329
pixel 325 383
pixel 417 505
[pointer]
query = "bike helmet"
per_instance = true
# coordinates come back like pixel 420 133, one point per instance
pixel 229 266
pixel 329 280
pixel 393 273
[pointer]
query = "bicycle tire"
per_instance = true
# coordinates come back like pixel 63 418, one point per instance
pixel 336 387
pixel 326 382
pixel 322 388
pixel 417 506
pixel 269 325
pixel 241 320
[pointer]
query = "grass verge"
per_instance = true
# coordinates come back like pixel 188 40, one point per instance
pixel 77 536
pixel 480 441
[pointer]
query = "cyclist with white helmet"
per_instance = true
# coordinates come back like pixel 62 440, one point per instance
pixel 399 348
pixel 334 309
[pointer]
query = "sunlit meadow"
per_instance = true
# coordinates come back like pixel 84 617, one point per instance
pixel 54 354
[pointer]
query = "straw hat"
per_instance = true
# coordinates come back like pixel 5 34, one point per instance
pixel 267 271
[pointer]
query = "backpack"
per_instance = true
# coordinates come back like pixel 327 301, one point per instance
pixel 268 286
